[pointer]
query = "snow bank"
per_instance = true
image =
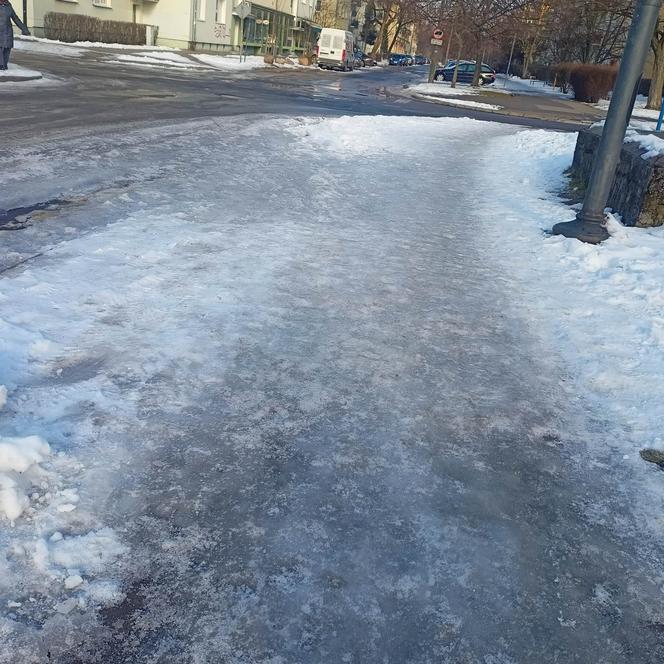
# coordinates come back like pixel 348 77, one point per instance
pixel 602 306
pixel 462 103
pixel 642 118
pixel 155 58
pixel 47 47
pixel 19 471
pixel 42 43
pixel 443 90
pixel 517 85
pixel 231 62
pixel 478 105
pixel 653 145
pixel 444 93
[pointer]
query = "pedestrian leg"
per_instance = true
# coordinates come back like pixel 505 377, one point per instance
pixel 4 58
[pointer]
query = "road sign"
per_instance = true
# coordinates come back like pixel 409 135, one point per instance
pixel 437 34
pixel 436 42
pixel 243 9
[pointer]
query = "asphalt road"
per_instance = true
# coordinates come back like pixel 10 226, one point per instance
pixel 96 94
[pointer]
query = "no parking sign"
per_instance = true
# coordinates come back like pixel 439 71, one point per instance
pixel 437 37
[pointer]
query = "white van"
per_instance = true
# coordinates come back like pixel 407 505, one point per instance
pixel 335 49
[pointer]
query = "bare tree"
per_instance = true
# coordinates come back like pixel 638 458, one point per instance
pixel 657 80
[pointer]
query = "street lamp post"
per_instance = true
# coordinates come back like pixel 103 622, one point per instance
pixel 589 225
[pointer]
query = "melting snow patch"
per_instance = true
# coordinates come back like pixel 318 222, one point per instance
pixel 85 554
pixel 19 472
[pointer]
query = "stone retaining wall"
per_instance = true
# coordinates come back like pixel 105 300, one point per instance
pixel 638 190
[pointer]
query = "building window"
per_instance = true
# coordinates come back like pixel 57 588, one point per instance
pixel 102 3
pixel 201 10
pixel 220 12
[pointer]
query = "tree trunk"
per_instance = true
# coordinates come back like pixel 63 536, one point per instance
pixel 657 82
pixel 456 66
pixel 527 59
pixel 394 39
pixel 478 64
pixel 378 45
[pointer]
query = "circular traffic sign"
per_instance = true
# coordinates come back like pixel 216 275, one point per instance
pixel 437 33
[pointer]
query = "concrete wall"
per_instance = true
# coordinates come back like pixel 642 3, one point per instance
pixel 637 193
pixel 119 10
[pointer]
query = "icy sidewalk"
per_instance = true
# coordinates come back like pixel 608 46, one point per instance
pixel 304 418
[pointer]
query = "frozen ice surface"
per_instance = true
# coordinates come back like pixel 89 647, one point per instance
pixel 313 410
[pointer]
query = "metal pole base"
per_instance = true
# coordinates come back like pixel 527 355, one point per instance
pixel 585 228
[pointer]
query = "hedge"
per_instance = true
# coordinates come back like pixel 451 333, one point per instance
pixel 592 82
pixel 76 27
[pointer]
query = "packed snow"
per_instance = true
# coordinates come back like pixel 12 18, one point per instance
pixel 14 72
pixel 444 90
pixel 602 305
pixel 445 93
pixel 74 48
pixel 643 118
pixel 47 47
pixel 152 58
pixel 464 103
pixel 517 85
pixel 231 62
pixel 653 145
pixel 145 338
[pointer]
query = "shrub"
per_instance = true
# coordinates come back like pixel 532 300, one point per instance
pixel 561 75
pixel 543 73
pixel 78 27
pixel 592 82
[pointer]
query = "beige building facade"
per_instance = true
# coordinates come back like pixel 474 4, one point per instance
pixel 210 25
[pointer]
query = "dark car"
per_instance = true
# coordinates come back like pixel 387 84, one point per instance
pixel 409 60
pixel 466 73
pixel 367 59
pixel 397 59
pixel 420 60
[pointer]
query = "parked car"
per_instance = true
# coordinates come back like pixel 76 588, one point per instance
pixel 397 59
pixel 420 60
pixel 359 62
pixel 466 73
pixel 335 49
pixel 367 59
pixel 409 60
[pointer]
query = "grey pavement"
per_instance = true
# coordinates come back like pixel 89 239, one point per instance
pixel 387 470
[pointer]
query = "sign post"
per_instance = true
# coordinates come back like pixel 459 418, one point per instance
pixel 242 11
pixel 436 41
